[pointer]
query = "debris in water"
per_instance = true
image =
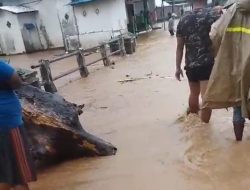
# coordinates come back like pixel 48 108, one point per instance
pixel 149 74
pixel 103 107
pixel 167 77
pixel 131 80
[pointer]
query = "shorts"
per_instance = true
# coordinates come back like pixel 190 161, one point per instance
pixel 237 116
pixel 198 74
pixel 16 165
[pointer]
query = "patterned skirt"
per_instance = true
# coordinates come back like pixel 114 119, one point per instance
pixel 16 166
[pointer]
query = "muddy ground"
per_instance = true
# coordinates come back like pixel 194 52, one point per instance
pixel 156 150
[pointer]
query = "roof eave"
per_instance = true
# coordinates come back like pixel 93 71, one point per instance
pixel 80 2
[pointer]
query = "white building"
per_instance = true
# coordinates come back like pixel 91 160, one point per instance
pixel 141 15
pixel 28 26
pixel 18 31
pixel 99 20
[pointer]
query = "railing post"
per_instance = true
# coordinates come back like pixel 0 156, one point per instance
pixel 122 46
pixel 49 86
pixel 82 66
pixel 103 51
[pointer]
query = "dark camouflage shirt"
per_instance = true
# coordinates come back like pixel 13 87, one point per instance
pixel 194 28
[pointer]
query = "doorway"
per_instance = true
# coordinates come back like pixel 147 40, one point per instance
pixel 31 38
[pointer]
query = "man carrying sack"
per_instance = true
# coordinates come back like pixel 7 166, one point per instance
pixel 229 83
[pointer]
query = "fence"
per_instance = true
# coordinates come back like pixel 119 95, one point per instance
pixel 45 70
pixel 73 42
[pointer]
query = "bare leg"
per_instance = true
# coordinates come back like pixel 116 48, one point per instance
pixel 21 187
pixel 194 97
pixel 4 186
pixel 206 112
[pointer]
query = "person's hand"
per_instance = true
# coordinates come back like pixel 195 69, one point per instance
pixel 179 74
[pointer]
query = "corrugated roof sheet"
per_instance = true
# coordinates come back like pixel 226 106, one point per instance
pixel 80 2
pixel 17 9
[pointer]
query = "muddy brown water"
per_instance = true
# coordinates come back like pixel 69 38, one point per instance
pixel 157 147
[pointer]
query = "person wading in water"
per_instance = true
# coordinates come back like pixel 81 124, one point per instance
pixel 193 34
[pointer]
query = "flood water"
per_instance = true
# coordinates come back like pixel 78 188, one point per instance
pixel 158 147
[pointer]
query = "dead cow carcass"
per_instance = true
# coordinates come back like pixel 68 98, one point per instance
pixel 54 130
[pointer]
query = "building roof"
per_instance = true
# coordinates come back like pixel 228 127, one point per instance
pixel 17 9
pixel 176 1
pixel 79 2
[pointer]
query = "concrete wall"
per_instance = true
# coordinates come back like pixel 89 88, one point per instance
pixel 56 22
pixel 11 40
pixel 112 16
pixel 151 5
pixel 68 24
pixel 31 37
pixel 48 22
pixel 138 7
pixel 168 9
